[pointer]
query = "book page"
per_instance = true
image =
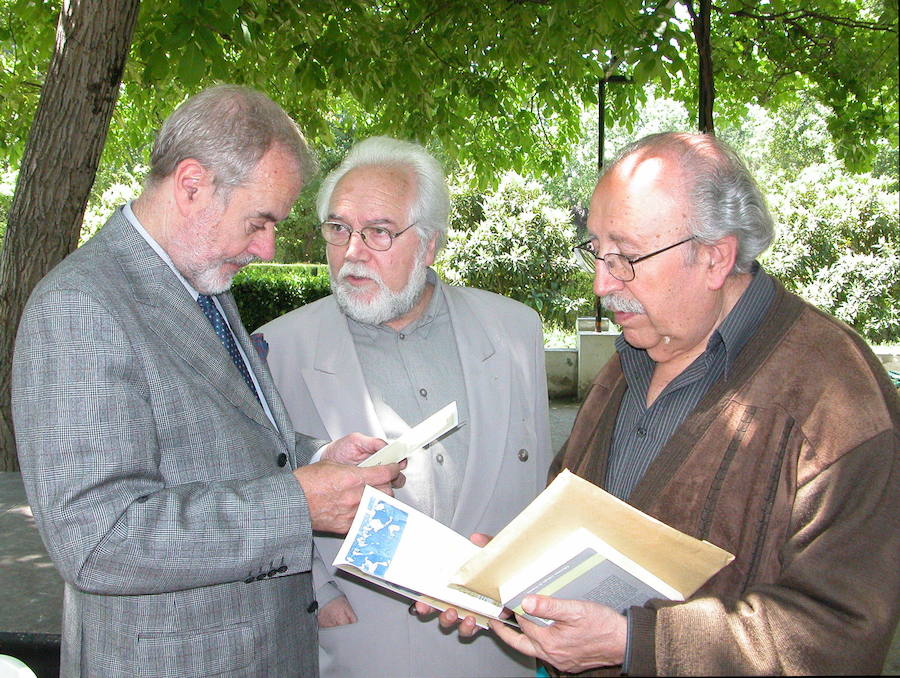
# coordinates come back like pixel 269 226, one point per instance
pixel 583 567
pixel 391 541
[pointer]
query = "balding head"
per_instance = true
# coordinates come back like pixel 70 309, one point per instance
pixel 717 189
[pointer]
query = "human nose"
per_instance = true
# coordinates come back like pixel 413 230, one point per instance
pixel 604 282
pixel 357 249
pixel 263 244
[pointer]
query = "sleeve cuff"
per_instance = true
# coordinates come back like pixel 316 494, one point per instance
pixel 327 592
pixel 640 650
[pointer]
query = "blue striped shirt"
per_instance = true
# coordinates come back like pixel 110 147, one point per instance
pixel 641 431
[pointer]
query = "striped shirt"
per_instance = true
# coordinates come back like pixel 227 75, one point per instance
pixel 640 431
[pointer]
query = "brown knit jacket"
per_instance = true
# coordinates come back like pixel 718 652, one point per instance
pixel 790 462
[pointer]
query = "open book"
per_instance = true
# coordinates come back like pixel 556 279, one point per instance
pixel 573 541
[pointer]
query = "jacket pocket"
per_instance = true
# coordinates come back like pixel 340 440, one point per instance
pixel 186 654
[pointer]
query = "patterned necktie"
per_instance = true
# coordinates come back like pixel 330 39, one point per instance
pixel 224 333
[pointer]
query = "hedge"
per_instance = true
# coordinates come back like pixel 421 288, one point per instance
pixel 265 291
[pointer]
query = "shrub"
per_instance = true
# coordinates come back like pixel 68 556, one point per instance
pixel 839 247
pixel 265 291
pixel 522 249
pixel 298 235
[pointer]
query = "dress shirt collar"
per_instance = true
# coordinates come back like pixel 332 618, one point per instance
pixel 743 320
pixel 133 220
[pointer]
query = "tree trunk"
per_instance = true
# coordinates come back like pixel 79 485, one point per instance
pixel 59 164
pixel 700 25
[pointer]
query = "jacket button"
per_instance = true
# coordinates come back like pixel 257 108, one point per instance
pixel 281 569
pixel 272 573
pixel 260 576
pixel 313 606
pixel 523 454
pixel 282 459
pixel 250 579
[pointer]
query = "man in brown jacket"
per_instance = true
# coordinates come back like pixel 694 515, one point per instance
pixel 738 413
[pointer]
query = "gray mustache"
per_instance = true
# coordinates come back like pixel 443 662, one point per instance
pixel 614 302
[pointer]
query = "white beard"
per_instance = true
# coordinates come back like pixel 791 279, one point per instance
pixel 198 258
pixel 384 304
pixel 210 279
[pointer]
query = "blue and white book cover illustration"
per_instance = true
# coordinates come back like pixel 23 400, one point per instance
pixel 397 547
pixel 376 541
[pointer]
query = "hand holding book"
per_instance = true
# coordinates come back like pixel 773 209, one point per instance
pixel 583 634
pixel 574 541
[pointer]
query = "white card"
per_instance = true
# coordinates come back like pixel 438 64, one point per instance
pixel 416 438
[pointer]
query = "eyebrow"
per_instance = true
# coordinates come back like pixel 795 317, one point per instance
pixel 616 239
pixel 371 222
pixel 268 216
pixel 621 240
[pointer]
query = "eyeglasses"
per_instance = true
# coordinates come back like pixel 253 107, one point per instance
pixel 375 237
pixel 619 266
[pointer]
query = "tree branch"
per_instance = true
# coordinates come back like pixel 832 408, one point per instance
pixel 793 17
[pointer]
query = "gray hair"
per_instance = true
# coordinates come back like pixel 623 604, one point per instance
pixel 430 208
pixel 227 129
pixel 724 197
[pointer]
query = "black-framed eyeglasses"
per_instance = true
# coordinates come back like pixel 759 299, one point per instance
pixel 375 237
pixel 619 266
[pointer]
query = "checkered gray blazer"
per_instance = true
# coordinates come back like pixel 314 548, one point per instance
pixel 161 489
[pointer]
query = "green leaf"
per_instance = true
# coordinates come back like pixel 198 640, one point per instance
pixel 644 70
pixel 192 66
pixel 157 66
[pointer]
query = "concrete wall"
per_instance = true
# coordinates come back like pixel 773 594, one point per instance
pixel 594 350
pixel 562 373
pixel 570 371
pixel 889 357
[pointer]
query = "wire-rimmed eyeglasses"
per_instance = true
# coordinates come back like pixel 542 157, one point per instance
pixel 375 237
pixel 619 266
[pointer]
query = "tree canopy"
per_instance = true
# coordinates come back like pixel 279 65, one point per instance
pixel 497 83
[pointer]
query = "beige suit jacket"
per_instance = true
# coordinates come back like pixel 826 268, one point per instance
pixel 500 344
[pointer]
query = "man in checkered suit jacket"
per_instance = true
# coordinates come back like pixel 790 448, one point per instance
pixel 171 489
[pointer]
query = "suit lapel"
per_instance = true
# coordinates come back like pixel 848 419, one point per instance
pixel 486 377
pixel 174 316
pixel 336 383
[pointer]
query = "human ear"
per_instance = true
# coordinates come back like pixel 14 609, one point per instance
pixel 430 249
pixel 190 181
pixel 719 261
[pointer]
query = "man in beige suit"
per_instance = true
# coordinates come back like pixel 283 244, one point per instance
pixel 391 346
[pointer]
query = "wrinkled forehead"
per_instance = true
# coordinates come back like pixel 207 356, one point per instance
pixel 643 198
pixel 374 189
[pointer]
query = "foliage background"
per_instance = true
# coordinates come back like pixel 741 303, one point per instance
pixel 838 237
pixel 265 291
pixel 807 93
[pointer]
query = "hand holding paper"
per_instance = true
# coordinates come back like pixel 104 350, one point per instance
pixel 583 635
pixel 416 438
pixel 351 449
pixel 333 491
pixel 450 618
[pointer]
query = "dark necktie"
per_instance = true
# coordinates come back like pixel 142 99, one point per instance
pixel 224 333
